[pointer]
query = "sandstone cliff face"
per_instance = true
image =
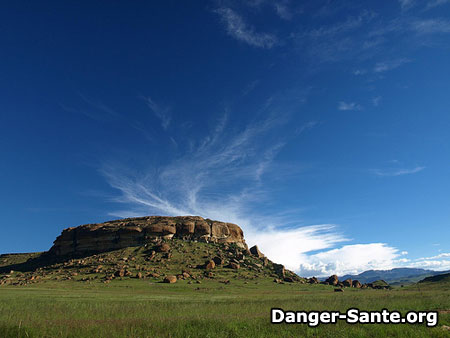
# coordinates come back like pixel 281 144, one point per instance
pixel 138 231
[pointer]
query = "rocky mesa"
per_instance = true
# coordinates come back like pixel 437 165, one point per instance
pixel 118 234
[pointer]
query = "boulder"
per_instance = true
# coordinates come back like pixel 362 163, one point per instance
pixel 313 280
pixel 218 260
pixel 255 252
pixel 170 279
pixel 164 247
pixel 234 266
pixel 279 270
pixel 120 273
pixel 332 280
pixel 209 265
pixel 348 283
pixel 356 284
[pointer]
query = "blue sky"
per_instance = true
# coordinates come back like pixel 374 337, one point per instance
pixel 320 127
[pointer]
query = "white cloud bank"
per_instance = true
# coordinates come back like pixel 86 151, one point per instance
pixel 350 259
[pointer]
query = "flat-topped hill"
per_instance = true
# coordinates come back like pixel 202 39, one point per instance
pixel 154 247
pixel 113 235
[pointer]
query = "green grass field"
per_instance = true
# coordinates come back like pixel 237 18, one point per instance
pixel 76 298
pixel 139 308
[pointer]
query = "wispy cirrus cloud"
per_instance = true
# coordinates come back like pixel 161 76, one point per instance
pixel 335 42
pixel 412 28
pixel 307 126
pixel 431 26
pixel 100 106
pixel 376 101
pixel 250 87
pixel 436 3
pixel 358 72
pixel 348 106
pixel 184 185
pixel 381 67
pixel 343 27
pixel 397 172
pixel 223 176
pixel 237 28
pixel 282 9
pixel 94 109
pixel 162 113
pixel 406 4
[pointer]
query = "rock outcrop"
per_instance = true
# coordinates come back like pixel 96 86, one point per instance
pixel 101 237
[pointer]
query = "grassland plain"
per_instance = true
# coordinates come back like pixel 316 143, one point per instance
pixel 138 308
pixel 71 300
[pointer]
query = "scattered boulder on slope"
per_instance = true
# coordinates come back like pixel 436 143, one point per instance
pixel 313 280
pixel 218 260
pixel 279 270
pixel 170 279
pixel 234 266
pixel 347 283
pixel 163 247
pixel 209 265
pixel 255 252
pixel 332 280
pixel 356 284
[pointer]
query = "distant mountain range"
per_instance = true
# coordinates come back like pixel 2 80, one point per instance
pixel 394 276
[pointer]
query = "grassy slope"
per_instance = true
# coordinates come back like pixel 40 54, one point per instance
pixel 129 307
pixel 183 256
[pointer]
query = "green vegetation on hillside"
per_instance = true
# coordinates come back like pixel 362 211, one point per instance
pixel 185 259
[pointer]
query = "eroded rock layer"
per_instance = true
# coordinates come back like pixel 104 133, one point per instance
pixel 128 232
